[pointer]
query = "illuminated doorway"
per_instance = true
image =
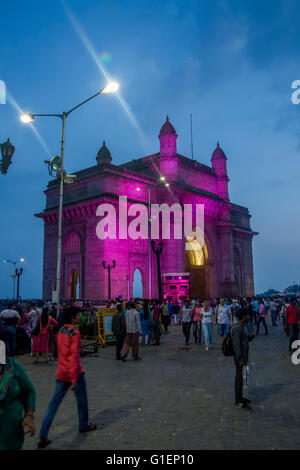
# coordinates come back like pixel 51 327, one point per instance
pixel 74 285
pixel 195 262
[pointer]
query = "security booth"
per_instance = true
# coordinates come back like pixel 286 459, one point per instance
pixel 176 286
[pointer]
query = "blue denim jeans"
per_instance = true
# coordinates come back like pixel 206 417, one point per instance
pixel 223 329
pixel 208 332
pixel 273 317
pixel 250 326
pixel 60 391
pixel 10 340
pixel 197 329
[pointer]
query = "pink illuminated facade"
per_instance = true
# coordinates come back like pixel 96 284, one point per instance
pixel 223 265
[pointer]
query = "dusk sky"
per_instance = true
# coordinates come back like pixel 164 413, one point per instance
pixel 229 63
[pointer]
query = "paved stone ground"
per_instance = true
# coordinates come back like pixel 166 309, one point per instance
pixel 177 399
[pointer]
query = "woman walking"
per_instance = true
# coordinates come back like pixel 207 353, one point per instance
pixel 262 317
pixel 208 319
pixel 196 320
pixel 144 318
pixel 41 340
pixel 17 403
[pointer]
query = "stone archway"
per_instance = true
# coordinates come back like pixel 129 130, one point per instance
pixel 196 263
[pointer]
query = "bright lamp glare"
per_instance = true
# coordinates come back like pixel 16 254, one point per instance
pixel 26 118
pixel 162 178
pixel 22 260
pixel 111 87
pixel 138 189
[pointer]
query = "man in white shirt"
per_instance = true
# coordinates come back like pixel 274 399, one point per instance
pixel 133 330
pixel 186 320
pixel 11 319
pixel 224 318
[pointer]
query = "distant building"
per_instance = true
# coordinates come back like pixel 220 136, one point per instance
pixel 223 265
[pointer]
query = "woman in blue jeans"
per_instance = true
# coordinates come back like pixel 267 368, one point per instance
pixel 208 319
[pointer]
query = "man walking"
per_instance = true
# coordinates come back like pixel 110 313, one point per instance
pixel 224 318
pixel 186 321
pixel 255 306
pixel 70 375
pixel 133 329
pixel 119 330
pixel 165 316
pixel 274 308
pixel 240 342
pixel 292 318
pixel 11 320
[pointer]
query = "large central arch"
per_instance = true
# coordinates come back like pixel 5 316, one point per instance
pixel 196 263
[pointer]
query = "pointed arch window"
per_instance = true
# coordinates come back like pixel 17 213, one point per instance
pixel 72 244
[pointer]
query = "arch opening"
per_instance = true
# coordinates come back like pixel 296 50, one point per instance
pixel 137 286
pixel 195 262
pixel 74 285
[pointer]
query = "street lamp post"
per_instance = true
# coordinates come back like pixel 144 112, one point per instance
pixel 149 186
pixel 157 250
pixel 109 267
pixel 26 118
pixel 18 273
pixel 14 275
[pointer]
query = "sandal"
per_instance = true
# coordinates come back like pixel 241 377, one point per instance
pixel 91 427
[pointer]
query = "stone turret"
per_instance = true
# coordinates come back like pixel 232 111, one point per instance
pixel 218 161
pixel 168 161
pixel 104 156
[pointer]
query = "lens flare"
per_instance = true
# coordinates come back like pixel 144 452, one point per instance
pixel 105 58
pixel 103 70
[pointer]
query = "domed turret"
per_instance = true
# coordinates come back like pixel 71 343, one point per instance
pixel 104 156
pixel 218 152
pixel 167 137
pixel 218 161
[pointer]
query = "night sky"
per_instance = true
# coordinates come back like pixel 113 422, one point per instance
pixel 229 63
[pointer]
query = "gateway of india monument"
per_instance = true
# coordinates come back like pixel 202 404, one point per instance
pixel 221 265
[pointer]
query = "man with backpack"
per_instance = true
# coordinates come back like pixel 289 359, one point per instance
pixel 240 345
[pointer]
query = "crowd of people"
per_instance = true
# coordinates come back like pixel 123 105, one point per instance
pixel 135 323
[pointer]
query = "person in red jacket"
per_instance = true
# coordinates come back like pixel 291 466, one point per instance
pixel 292 318
pixel 70 375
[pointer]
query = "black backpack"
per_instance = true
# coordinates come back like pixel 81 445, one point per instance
pixel 227 345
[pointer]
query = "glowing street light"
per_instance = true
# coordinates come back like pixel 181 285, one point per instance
pixel 162 178
pixel 26 118
pixel 111 87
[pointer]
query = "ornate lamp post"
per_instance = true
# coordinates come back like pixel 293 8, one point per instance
pixel 7 150
pixel 18 273
pixel 27 118
pixel 14 275
pixel 157 250
pixel 109 267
